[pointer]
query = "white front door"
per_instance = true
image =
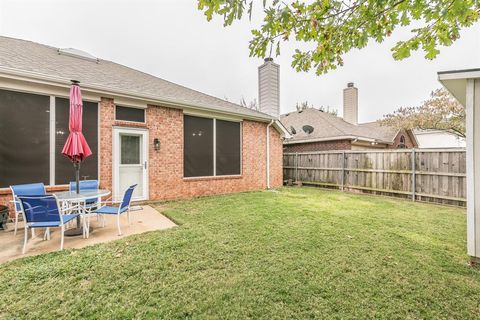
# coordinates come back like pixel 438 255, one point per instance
pixel 130 165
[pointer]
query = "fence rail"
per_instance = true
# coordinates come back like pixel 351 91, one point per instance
pixel 432 175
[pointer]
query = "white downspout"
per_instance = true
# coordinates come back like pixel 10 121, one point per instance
pixel 268 153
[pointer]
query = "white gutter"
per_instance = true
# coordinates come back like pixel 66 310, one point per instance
pixel 268 153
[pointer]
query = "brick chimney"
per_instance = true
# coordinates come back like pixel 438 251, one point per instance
pixel 269 88
pixel 350 104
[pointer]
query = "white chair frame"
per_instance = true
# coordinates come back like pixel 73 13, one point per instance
pixel 17 213
pixel 47 230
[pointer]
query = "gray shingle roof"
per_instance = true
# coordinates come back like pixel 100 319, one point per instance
pixel 32 57
pixel 327 126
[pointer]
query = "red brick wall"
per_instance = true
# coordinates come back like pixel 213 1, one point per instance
pixel 318 146
pixel 409 143
pixel 166 165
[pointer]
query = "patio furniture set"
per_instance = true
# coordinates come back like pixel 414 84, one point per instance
pixel 57 210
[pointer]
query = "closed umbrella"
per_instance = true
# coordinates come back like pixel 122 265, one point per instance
pixel 76 147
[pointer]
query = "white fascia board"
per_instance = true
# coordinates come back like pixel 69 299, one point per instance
pixel 459 74
pixel 281 129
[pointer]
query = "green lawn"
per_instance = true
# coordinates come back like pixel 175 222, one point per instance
pixel 295 253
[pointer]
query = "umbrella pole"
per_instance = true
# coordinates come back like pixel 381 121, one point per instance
pixel 77 176
pixel 78 230
pixel 77 180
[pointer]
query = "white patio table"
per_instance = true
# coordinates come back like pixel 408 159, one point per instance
pixel 81 197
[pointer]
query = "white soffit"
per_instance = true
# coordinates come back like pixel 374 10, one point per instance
pixel 456 82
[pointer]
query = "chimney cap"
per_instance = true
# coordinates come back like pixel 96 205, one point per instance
pixel 350 85
pixel 268 59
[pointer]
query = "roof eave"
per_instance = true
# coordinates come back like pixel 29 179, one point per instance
pixel 107 92
pixel 455 81
pixel 335 138
pixel 281 128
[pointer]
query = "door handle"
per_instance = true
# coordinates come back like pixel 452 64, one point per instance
pixel 145 165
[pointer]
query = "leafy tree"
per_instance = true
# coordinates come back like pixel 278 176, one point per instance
pixel 250 105
pixel 441 111
pixel 334 27
pixel 305 105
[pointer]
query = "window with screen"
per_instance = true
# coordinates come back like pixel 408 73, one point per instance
pixel 64 171
pixel 129 114
pixel 227 148
pixel 209 154
pixel 24 138
pixel 198 146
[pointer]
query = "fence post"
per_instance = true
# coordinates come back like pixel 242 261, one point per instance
pixel 296 166
pixel 343 170
pixel 414 176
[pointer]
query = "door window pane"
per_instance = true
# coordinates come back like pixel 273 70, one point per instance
pixel 130 149
pixel 198 146
pixel 227 147
pixel 24 138
pixel 64 171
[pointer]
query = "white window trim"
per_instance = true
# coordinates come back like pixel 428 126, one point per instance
pixel 52 139
pixel 215 148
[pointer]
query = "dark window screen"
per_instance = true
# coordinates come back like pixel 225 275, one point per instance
pixel 227 147
pixel 64 171
pixel 198 147
pixel 24 138
pixel 129 114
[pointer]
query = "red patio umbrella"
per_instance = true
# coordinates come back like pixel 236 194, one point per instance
pixel 76 147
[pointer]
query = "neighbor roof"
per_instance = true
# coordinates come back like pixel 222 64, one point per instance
pixel 48 62
pixel 327 126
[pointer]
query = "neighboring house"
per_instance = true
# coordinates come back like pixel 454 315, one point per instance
pixel 314 130
pixel 172 141
pixel 438 139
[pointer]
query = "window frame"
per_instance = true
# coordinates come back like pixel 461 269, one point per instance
pixel 129 121
pixel 53 152
pixel 52 135
pixel 214 163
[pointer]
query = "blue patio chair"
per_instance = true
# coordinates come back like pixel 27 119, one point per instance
pixel 87 185
pixel 31 189
pixel 124 206
pixel 43 212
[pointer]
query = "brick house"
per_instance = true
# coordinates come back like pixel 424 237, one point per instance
pixel 314 130
pixel 174 142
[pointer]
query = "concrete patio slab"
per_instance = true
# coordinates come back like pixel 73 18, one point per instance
pixel 146 219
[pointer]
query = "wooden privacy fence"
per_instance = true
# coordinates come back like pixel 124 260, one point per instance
pixel 432 175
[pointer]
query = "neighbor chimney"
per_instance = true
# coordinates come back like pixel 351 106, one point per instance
pixel 350 104
pixel 269 88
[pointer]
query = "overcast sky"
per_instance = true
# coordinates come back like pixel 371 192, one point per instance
pixel 171 39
